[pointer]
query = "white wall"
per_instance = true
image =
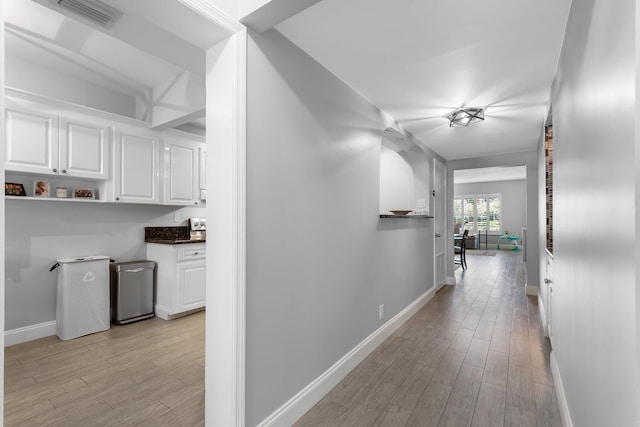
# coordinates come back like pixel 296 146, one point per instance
pixel 319 259
pixel 594 307
pixel 39 232
pixel 514 200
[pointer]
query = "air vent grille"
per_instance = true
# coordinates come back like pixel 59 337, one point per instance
pixel 90 9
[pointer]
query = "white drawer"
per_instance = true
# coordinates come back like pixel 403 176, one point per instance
pixel 191 251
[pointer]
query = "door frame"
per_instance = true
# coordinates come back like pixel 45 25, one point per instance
pixel 442 197
pixel 226 218
pixel 225 319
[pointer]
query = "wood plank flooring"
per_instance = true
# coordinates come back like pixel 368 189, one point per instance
pixel 475 355
pixel 148 373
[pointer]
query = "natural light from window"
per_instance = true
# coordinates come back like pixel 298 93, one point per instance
pixel 478 212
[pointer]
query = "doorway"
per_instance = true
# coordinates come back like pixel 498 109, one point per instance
pixel 224 73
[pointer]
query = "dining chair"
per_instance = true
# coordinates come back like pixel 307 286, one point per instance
pixel 461 250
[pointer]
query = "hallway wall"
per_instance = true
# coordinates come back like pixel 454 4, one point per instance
pixel 593 307
pixel 320 261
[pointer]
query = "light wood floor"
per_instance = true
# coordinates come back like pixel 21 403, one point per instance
pixel 149 373
pixel 474 355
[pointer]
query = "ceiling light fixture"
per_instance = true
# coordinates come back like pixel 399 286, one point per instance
pixel 465 116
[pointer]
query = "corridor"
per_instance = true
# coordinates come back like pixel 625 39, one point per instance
pixel 474 355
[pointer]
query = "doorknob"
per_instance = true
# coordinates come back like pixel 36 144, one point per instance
pixel 437 235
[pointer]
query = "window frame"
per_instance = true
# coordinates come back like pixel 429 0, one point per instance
pixel 487 196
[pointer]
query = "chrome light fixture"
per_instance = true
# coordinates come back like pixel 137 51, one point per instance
pixel 465 116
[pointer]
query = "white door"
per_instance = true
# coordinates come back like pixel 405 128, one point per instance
pixel 191 285
pixel 180 172
pixel 31 141
pixel 84 149
pixel 439 222
pixel 137 168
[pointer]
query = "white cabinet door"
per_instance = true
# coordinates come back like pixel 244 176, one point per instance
pixel 180 172
pixel 84 149
pixel 31 141
pixel 202 169
pixel 136 167
pixel 191 285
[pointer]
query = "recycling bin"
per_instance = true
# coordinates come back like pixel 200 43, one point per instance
pixel 82 302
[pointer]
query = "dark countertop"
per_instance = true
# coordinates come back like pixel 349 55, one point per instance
pixel 174 241
pixel 169 236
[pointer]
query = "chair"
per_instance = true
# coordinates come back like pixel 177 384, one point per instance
pixel 461 250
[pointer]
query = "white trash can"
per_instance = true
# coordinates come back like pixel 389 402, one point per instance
pixel 83 296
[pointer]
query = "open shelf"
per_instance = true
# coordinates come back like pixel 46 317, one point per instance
pixel 406 216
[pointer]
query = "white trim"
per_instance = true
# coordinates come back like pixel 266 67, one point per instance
pixel 562 399
pixel 451 280
pixel 211 12
pixel 532 290
pixel 299 404
pixel 226 267
pixel 162 312
pixel 543 315
pixel 29 333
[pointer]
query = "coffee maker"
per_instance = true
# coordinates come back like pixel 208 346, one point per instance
pixel 197 228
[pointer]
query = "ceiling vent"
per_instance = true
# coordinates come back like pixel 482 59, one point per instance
pixel 93 11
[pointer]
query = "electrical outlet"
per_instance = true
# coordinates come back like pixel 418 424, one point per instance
pixel 381 312
pixel 421 204
pixel 177 217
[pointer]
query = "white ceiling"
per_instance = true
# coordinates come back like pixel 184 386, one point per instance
pixel 419 60
pixel 468 176
pixel 146 47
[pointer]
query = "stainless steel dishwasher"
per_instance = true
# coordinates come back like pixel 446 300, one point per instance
pixel 133 285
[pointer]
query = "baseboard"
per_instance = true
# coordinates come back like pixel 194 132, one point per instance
pixel 562 399
pixel 450 280
pixel 298 405
pixel 532 290
pixel 162 312
pixel 30 333
pixel 543 315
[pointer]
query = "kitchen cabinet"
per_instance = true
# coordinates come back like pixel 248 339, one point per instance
pixel 31 140
pixel 136 161
pixel 45 143
pixel 84 148
pixel 202 158
pixel 181 171
pixel 181 281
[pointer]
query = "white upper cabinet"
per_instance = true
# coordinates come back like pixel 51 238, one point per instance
pixel 202 155
pixel 31 141
pixel 84 148
pixel 181 171
pixel 136 161
pixel 41 142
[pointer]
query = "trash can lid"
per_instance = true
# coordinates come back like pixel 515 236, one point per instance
pixel 83 258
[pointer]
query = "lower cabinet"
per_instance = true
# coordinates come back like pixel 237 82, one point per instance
pixel 181 281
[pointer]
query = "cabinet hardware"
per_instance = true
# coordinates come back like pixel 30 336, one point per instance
pixel 55 170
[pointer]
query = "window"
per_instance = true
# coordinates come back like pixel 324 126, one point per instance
pixel 479 212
